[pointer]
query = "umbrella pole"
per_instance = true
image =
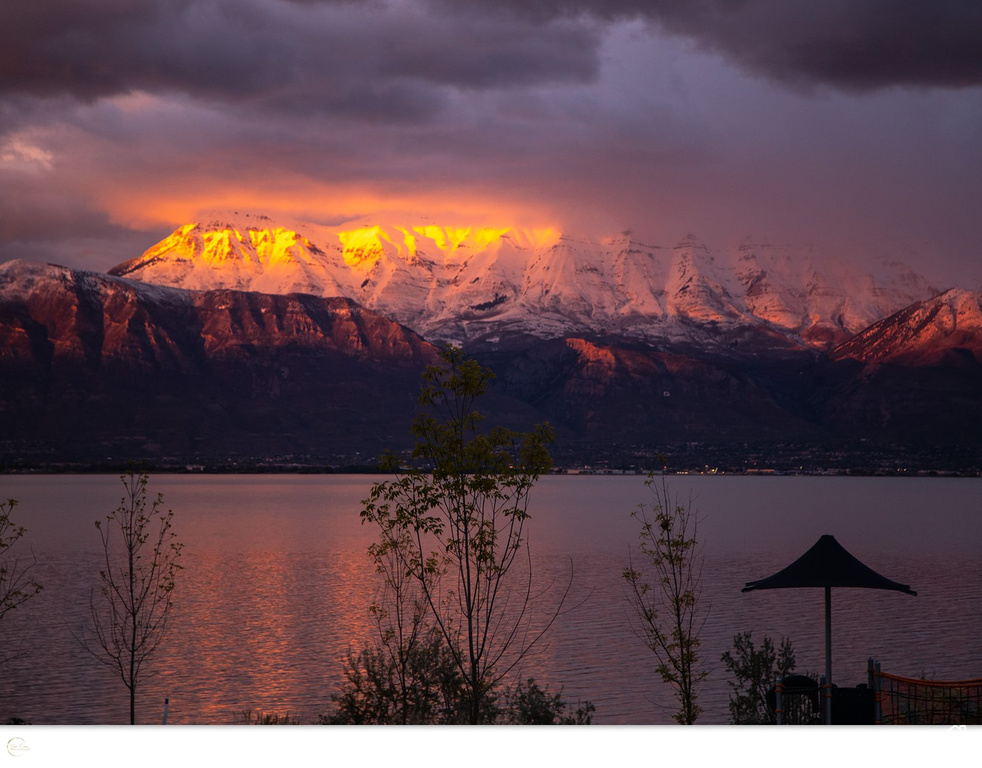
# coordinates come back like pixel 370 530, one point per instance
pixel 828 655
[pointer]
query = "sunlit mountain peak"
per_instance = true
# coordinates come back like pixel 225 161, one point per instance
pixel 451 282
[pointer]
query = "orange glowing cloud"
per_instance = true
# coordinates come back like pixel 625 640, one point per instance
pixel 450 219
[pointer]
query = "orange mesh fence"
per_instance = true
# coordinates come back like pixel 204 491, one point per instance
pixel 910 701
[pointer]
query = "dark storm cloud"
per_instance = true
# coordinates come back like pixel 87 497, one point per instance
pixel 118 117
pixel 364 59
pixel 855 45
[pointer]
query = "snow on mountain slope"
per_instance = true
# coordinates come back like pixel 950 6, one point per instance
pixel 463 283
pixel 258 258
pixel 819 297
pixel 925 333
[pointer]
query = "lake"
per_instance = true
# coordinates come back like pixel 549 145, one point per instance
pixel 276 587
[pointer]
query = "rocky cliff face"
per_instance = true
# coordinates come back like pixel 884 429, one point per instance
pixel 99 360
pixel 84 316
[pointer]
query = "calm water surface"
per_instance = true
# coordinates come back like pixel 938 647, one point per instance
pixel 276 586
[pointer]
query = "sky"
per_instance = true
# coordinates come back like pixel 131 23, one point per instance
pixel 854 126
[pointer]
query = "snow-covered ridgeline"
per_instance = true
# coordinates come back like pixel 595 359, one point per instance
pixel 460 283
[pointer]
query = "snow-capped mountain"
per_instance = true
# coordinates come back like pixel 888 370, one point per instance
pixel 462 284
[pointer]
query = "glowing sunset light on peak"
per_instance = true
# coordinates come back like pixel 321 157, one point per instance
pixel 446 238
pixel 487 235
pixel 449 239
pixel 365 244
pixel 260 237
pixel 275 246
pixel 217 244
pixel 362 245
pixel 410 240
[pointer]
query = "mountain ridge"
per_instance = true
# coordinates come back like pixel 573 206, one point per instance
pixel 923 334
pixel 464 284
pixel 96 366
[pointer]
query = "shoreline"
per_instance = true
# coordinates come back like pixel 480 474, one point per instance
pixel 572 471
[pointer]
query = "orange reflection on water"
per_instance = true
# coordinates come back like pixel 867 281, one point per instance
pixel 257 632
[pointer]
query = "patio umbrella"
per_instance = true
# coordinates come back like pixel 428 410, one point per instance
pixel 827 564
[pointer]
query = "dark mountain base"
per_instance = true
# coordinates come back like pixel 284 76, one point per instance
pixel 623 406
pixel 96 372
pixel 640 409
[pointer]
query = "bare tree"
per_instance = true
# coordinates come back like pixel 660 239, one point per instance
pixel 456 527
pixel 665 592
pixel 16 585
pixel 141 555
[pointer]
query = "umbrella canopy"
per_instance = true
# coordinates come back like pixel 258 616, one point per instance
pixel 827 564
